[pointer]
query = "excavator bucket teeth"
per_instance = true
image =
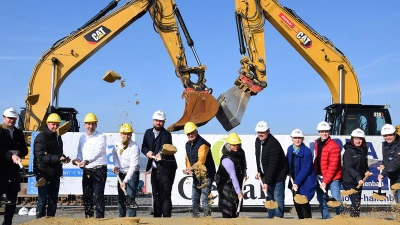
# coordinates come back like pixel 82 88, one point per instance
pixel 200 107
pixel 111 76
pixel 232 105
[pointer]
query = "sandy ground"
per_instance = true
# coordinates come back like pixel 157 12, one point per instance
pixel 74 216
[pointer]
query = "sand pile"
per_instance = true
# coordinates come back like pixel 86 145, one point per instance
pixel 211 220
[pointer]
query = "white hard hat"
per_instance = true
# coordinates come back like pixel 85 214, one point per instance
pixel 10 112
pixel 388 129
pixel 262 126
pixel 23 211
pixel 32 212
pixel 297 133
pixel 358 133
pixel 159 115
pixel 323 126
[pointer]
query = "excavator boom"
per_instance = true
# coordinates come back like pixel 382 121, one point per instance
pixel 327 60
pixel 57 63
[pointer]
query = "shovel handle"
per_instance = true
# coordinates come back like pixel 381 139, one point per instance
pixel 265 192
pixel 20 165
pixel 380 180
pixel 120 182
pixel 291 179
pixel 240 200
pixel 322 188
pixel 364 179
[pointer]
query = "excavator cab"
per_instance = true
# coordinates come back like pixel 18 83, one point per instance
pixel 344 118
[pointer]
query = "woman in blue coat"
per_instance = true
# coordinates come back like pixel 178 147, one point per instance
pixel 300 161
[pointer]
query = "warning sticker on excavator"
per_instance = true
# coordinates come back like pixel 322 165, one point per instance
pixel 288 22
pixel 97 34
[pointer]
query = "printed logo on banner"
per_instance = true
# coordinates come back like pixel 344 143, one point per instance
pixel 216 150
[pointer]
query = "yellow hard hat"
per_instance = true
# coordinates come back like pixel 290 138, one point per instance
pixel 189 127
pixel 53 118
pixel 233 139
pixel 90 118
pixel 126 128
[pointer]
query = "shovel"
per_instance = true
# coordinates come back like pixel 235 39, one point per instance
pixel 129 200
pixel 297 197
pixel 330 200
pixel 379 195
pixel 22 171
pixel 269 204
pixel 240 200
pixel 352 191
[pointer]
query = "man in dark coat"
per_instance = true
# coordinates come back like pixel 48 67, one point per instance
pixel 12 149
pixel 47 165
pixel 163 166
pixel 271 167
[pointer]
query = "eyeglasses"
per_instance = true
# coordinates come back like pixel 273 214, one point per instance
pixel 388 135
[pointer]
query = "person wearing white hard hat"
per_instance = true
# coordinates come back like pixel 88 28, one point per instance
pixel 355 167
pixel 92 158
pixel 327 164
pixel 12 148
pixel 391 158
pixel 272 167
pixel 47 164
pixel 163 167
pixel 126 164
pixel 301 170
pixel 198 152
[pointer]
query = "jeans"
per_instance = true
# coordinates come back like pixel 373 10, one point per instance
pixel 93 184
pixel 335 191
pixel 355 199
pixel 276 192
pixel 48 195
pixel 131 189
pixel 161 186
pixel 202 194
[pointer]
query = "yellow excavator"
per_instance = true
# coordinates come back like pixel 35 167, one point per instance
pixel 347 112
pixel 68 53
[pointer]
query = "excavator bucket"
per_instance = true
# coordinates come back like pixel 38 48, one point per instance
pixel 111 76
pixel 232 105
pixel 200 107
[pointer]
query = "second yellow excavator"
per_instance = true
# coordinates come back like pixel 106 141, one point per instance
pixel 347 112
pixel 68 53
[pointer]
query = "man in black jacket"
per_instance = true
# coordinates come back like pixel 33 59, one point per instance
pixel 163 166
pixel 47 165
pixel 12 149
pixel 271 167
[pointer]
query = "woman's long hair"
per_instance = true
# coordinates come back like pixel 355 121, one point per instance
pixel 363 144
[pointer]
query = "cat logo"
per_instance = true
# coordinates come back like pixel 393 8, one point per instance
pixel 97 34
pixel 305 41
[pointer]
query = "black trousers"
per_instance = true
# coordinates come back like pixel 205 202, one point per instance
pixel 303 210
pixel 93 184
pixel 10 187
pixel 355 199
pixel 162 188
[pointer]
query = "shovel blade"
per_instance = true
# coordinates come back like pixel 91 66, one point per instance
pixel 200 107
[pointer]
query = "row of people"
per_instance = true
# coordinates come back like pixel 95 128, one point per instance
pixel 272 167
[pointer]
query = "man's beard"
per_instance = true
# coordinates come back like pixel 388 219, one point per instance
pixel 158 128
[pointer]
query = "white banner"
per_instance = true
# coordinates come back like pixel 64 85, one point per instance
pixel 181 193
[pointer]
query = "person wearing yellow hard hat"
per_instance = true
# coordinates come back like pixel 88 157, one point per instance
pixel 163 167
pixel 92 158
pixel 198 152
pixel 47 164
pixel 232 172
pixel 12 149
pixel 126 166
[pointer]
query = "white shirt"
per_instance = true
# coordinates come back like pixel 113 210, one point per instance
pixel 156 133
pixel 128 161
pixel 93 149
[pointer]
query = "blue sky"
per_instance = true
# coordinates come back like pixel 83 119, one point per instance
pixel 366 33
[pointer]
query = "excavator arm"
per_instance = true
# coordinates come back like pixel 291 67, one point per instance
pixel 57 63
pixel 318 51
